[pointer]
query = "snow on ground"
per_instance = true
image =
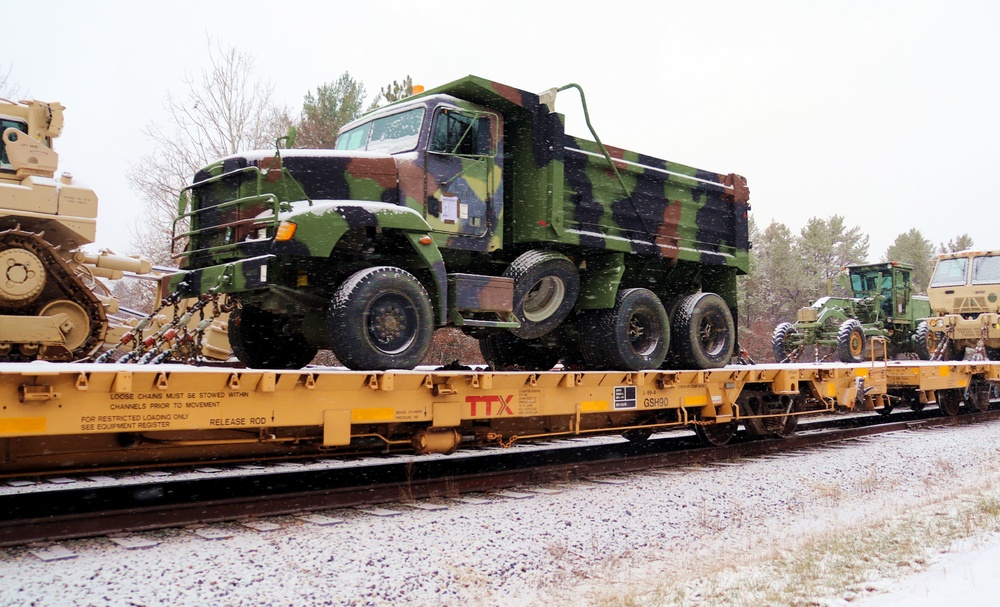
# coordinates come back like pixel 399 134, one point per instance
pixel 966 577
pixel 583 543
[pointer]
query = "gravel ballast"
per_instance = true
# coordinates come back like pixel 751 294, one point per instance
pixel 596 541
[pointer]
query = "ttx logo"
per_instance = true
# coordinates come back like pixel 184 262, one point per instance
pixel 490 401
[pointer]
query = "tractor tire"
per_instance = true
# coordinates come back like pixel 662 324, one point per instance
pixel 505 352
pixel 380 318
pixel 546 285
pixel 631 336
pixel 779 341
pixel 704 332
pixel 259 339
pixel 926 341
pixel 850 342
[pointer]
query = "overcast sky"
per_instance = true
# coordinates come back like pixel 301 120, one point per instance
pixel 883 112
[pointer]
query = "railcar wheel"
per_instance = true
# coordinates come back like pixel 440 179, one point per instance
pixel 716 435
pixel 631 336
pixel 704 332
pixel 782 425
pixel 927 341
pixel 637 435
pixel 261 340
pixel 380 318
pixel 504 351
pixel 850 342
pixel 949 401
pixel 993 353
pixel 978 394
pixel 546 286
pixel 779 341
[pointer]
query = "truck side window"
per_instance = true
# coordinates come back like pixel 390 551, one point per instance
pixel 461 134
pixel 4 125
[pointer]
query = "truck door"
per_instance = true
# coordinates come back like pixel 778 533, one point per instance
pixel 463 188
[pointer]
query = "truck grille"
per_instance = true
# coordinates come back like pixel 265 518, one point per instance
pixel 222 218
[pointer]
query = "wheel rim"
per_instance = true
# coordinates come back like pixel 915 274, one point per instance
pixel 712 334
pixel 931 341
pixel 643 332
pixel 391 323
pixel 856 344
pixel 543 299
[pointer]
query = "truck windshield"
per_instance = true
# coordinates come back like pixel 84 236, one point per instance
pixel 6 123
pixel 390 134
pixel 986 270
pixel 950 272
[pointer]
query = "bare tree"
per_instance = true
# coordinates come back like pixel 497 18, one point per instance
pixel 225 109
pixel 8 88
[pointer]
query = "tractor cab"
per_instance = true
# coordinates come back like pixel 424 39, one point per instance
pixel 884 287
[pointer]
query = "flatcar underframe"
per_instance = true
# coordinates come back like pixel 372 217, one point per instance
pixel 59 416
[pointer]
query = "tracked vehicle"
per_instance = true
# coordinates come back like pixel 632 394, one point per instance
pixel 52 307
pixel 468 205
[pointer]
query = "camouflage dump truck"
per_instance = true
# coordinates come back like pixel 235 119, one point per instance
pixel 882 304
pixel 52 307
pixel 965 304
pixel 468 205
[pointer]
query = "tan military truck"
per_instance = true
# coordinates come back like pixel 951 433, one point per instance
pixel 965 305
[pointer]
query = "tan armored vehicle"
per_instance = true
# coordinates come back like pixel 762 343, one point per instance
pixel 965 304
pixel 52 305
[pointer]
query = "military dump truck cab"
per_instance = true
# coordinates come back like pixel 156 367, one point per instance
pixel 882 304
pixel 965 304
pixel 469 206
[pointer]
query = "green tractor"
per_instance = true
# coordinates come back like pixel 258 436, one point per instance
pixel 882 305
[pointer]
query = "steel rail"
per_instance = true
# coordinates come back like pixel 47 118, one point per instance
pixel 87 512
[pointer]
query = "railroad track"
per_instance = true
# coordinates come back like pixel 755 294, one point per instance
pixel 82 508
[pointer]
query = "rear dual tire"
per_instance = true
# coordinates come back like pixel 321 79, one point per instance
pixel 632 335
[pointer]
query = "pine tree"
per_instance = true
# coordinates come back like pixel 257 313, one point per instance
pixel 825 247
pixel 961 242
pixel 332 106
pixel 913 249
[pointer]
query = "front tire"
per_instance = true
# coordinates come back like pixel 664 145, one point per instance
pixel 380 318
pixel 261 340
pixel 927 341
pixel 631 336
pixel 779 341
pixel 850 342
pixel 704 332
